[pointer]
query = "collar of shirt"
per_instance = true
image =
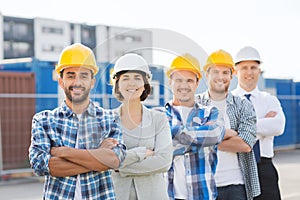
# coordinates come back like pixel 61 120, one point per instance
pixel 204 98
pixel 170 104
pixel 241 92
pixel 171 110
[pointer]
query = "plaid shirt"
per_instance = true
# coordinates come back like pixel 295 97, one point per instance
pixel 197 142
pixel 60 127
pixel 243 120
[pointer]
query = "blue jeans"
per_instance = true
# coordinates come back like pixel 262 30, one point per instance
pixel 232 192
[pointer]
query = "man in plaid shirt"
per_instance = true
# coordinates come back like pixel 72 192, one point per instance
pixel 76 144
pixel 196 132
pixel 236 175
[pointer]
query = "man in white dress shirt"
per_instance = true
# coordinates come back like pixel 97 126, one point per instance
pixel 270 118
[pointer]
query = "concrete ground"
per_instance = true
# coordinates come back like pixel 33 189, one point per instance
pixel 286 161
pixel 288 164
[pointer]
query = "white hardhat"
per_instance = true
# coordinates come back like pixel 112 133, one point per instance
pixel 129 62
pixel 247 53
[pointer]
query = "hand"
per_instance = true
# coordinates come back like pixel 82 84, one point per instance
pixel 58 151
pixel 183 138
pixel 230 133
pixel 271 114
pixel 209 123
pixel 109 143
pixel 149 153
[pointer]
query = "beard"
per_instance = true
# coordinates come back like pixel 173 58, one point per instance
pixel 219 90
pixel 76 98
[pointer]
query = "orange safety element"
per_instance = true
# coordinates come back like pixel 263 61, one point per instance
pixel 219 57
pixel 77 55
pixel 185 62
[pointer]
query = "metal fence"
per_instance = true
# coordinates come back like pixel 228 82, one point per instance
pixel 20 100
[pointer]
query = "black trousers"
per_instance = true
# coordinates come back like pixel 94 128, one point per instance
pixel 268 178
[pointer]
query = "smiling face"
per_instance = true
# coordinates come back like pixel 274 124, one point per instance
pixel 218 78
pixel 248 73
pixel 76 83
pixel 184 85
pixel 131 86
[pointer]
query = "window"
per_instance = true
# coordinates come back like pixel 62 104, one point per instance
pixel 129 38
pixel 88 36
pixel 17 49
pixel 18 30
pixel 21 30
pixel 52 30
pixel 51 48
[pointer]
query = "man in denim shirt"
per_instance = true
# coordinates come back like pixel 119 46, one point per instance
pixel 76 144
pixel 196 132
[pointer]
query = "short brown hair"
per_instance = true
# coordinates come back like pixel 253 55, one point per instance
pixel 117 93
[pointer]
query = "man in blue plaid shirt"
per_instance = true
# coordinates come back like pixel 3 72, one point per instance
pixel 196 132
pixel 76 144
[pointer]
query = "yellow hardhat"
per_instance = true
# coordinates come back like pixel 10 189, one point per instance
pixel 185 62
pixel 77 55
pixel 219 57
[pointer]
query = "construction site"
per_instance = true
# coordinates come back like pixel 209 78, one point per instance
pixel 29 50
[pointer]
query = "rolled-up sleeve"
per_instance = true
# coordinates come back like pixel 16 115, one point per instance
pixel 203 130
pixel 116 133
pixel 39 150
pixel 247 123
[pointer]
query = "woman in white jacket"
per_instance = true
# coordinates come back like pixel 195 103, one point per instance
pixel 146 134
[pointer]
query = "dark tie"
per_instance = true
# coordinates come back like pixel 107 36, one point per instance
pixel 256 148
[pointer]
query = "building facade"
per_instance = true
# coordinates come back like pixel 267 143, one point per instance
pixel 44 39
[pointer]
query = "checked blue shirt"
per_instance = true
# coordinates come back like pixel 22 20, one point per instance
pixel 59 127
pixel 197 142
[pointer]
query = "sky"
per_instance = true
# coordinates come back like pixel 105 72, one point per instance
pixel 271 26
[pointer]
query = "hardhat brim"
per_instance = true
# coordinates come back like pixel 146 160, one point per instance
pixel 148 74
pixel 62 67
pixel 248 59
pixel 196 72
pixel 206 67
